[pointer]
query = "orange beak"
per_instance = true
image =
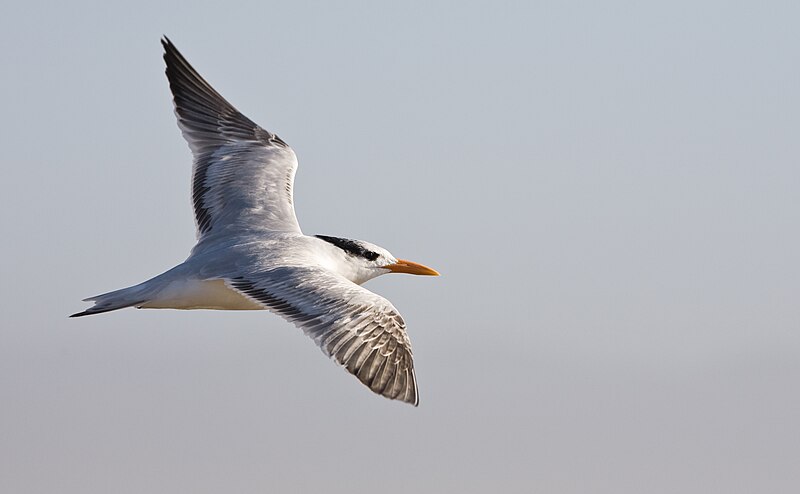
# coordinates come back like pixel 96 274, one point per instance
pixel 403 266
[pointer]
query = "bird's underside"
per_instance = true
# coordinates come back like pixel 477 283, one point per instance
pixel 251 254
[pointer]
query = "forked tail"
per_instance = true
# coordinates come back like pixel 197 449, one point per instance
pixel 118 299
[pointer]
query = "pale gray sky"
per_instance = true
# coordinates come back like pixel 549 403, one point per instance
pixel 610 190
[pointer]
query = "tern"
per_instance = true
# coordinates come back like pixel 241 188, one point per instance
pixel 251 255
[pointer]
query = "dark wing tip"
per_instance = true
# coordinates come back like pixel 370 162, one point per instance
pixel 390 375
pixel 202 111
pixel 405 390
pixel 172 55
pixel 386 372
pixel 411 394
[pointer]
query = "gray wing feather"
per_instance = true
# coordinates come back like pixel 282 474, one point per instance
pixel 243 175
pixel 360 330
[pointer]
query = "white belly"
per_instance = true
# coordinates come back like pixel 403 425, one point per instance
pixel 199 294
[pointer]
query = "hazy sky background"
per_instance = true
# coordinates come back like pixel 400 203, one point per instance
pixel 610 190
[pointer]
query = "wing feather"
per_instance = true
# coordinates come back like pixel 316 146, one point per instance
pixel 243 175
pixel 358 329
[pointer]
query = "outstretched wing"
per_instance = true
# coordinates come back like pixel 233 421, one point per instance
pixel 360 330
pixel 243 175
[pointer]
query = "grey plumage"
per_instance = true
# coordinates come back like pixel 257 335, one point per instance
pixel 251 254
pixel 359 329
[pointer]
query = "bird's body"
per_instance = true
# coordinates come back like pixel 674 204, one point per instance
pixel 252 255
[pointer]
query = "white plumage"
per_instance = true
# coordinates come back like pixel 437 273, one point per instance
pixel 251 254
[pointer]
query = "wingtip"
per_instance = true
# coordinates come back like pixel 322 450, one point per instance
pixel 414 401
pixel 169 48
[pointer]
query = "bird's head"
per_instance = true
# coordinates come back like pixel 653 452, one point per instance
pixel 364 261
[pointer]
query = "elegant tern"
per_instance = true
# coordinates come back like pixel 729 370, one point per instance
pixel 251 255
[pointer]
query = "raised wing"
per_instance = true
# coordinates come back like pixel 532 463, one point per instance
pixel 358 329
pixel 243 175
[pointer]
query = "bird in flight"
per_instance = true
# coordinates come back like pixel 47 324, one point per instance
pixel 251 255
